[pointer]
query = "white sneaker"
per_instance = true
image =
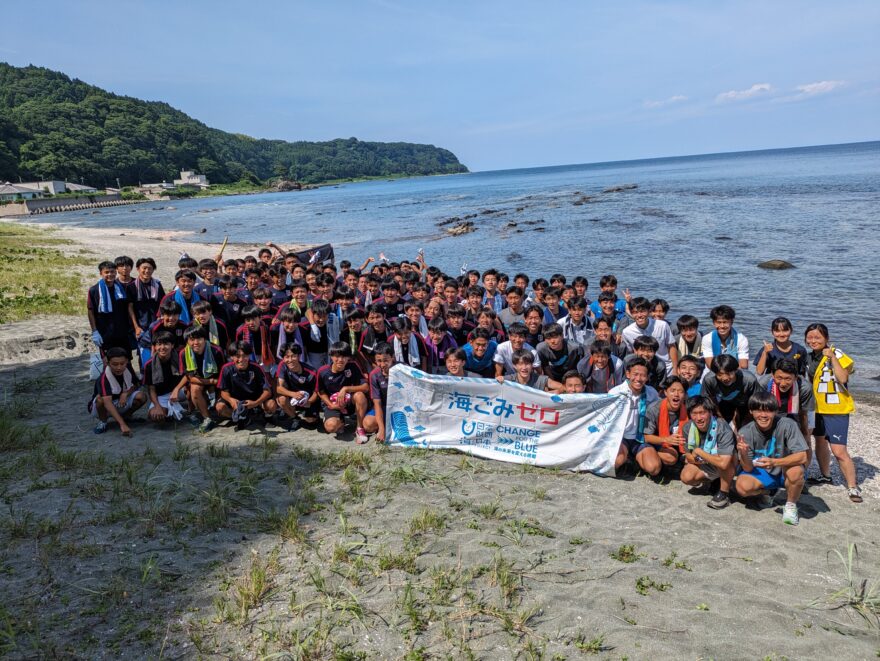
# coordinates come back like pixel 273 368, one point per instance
pixel 790 514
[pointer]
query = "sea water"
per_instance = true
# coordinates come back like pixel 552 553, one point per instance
pixel 691 232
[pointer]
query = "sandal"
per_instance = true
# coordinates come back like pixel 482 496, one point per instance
pixel 855 494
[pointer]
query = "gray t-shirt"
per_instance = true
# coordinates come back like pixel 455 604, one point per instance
pixel 508 317
pixel 725 441
pixel 652 419
pixel 787 435
pixel 806 399
pixel 536 381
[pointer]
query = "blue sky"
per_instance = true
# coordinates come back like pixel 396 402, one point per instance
pixel 501 84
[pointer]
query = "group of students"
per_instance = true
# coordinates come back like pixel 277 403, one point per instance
pixel 273 338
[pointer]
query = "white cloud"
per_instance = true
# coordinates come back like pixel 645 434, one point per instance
pixel 741 95
pixel 822 87
pixel 678 98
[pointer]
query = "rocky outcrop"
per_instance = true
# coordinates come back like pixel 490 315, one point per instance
pixel 776 265
pixel 620 188
pixel 465 227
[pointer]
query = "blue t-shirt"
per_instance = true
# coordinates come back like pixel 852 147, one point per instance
pixel 475 364
pixel 619 309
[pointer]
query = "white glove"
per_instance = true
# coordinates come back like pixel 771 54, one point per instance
pixel 464 268
pixel 97 339
pixel 316 333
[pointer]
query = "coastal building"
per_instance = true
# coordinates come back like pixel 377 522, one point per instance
pixel 55 187
pixel 13 192
pixel 190 178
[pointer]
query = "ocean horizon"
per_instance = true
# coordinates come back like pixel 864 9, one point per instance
pixel 692 231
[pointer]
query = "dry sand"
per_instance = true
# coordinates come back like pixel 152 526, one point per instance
pixel 247 544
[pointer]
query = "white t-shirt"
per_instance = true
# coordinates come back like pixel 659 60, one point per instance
pixel 504 356
pixel 742 346
pixel 660 331
pixel 632 416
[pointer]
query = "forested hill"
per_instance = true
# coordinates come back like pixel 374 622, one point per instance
pixel 53 127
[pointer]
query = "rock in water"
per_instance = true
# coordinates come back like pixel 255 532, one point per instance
pixel 465 227
pixel 776 265
pixel 620 188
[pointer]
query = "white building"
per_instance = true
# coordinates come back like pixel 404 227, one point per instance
pixel 13 192
pixel 57 187
pixel 190 178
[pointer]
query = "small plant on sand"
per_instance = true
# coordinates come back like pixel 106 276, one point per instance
pixel 490 510
pixel 592 645
pixel 254 586
pixel 645 583
pixel 857 594
pixel 626 553
pixel 672 562
pixel 508 579
pixel 427 520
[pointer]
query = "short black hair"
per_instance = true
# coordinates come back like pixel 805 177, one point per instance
pixel 724 363
pixel 338 349
pixel 698 401
pixel 763 400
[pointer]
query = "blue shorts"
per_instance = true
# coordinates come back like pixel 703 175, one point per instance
pixel 370 412
pixel 634 447
pixel 767 480
pixel 834 427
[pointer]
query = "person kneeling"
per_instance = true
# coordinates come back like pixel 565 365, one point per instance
pixel 295 387
pixel 772 453
pixel 200 362
pixel 641 396
pixel 341 387
pixel 165 380
pixel 665 420
pixel 243 386
pixel 118 392
pixel 708 450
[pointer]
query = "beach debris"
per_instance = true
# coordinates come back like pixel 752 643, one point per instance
pixel 776 265
pixel 465 227
pixel 620 188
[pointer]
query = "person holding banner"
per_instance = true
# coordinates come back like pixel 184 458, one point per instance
pixel 374 420
pixel 525 374
pixel 641 396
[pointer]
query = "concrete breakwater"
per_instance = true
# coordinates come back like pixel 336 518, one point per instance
pixel 41 206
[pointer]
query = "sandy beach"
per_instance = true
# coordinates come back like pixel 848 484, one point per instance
pixel 264 542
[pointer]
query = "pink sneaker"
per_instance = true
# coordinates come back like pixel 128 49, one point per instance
pixel 361 436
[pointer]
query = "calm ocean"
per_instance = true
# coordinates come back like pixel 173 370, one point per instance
pixel 691 232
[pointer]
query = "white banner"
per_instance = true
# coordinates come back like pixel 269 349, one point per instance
pixel 508 422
